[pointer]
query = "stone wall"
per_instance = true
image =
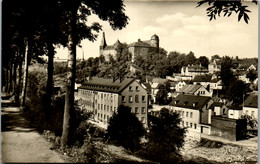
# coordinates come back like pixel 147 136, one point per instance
pixel 232 129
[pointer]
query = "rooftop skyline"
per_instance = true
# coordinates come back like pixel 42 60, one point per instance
pixel 181 27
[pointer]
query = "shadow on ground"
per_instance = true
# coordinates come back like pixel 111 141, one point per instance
pixel 13 120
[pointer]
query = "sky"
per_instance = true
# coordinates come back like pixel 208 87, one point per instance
pixel 181 27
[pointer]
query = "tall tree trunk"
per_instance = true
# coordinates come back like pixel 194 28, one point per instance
pixel 19 79
pixel 10 79
pixel 7 80
pixel 15 83
pixel 25 75
pixel 69 99
pixel 49 85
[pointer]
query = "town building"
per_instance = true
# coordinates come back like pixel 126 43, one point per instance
pixel 103 96
pixel 191 89
pixel 250 106
pixel 195 112
pixel 193 70
pixel 214 66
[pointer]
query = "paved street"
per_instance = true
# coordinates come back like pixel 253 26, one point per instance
pixel 20 142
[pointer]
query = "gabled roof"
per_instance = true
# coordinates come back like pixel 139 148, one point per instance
pixel 190 88
pixel 107 85
pixel 202 78
pixel 190 101
pixel 251 101
pixel 196 68
pixel 159 80
pixel 139 44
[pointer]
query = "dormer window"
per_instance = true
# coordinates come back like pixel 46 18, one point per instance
pixel 176 101
pixel 130 88
pixel 185 102
pixel 194 104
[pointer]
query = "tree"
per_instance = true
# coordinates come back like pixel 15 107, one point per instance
pixel 162 95
pixel 75 14
pixel 190 58
pixel 252 75
pixel 125 128
pixel 252 122
pixel 226 74
pixel 216 7
pixel 236 92
pixel 166 137
pixel 204 61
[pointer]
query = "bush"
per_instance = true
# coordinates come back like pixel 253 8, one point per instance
pixel 125 128
pixel 165 137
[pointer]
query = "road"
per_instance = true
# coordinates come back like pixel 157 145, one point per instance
pixel 20 142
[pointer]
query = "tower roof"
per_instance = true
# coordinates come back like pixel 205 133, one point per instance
pixel 103 41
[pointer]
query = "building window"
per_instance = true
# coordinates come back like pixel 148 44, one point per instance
pixel 114 108
pixel 111 98
pixel 182 123
pixel 246 112
pixel 143 110
pixel 190 125
pixel 191 114
pixel 137 88
pixel 143 99
pixel 136 98
pixel 130 89
pixel 108 108
pixel 98 106
pixel 143 120
pixel 187 114
pixel 136 110
pixel 101 106
pixel 105 107
pixel 130 99
pixel 182 114
pixel 101 95
pixel 123 99
pixel 187 124
pixel 195 126
pixel 253 113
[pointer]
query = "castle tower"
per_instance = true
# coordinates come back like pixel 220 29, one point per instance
pixel 103 44
pixel 155 42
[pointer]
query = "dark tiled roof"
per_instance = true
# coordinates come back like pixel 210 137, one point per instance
pixel 218 104
pixel 196 68
pixel 251 101
pixel 188 101
pixel 202 78
pixel 140 44
pixel 106 85
pixel 235 107
pixel 189 88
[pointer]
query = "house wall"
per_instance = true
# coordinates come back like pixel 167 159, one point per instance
pixel 138 51
pixel 139 107
pixel 202 92
pixel 235 114
pixel 190 117
pixel 108 52
pixel 179 85
pixel 205 114
pixel 251 111
pixel 231 129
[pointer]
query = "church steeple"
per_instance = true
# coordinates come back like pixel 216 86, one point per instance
pixel 103 42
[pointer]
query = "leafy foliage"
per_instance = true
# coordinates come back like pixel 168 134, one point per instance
pixel 125 128
pixel 216 7
pixel 252 122
pixel 226 74
pixel 236 92
pixel 166 137
pixel 252 75
pixel 162 94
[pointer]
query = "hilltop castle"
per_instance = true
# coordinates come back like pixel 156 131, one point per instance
pixel 135 48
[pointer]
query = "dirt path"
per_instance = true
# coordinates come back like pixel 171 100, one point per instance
pixel 20 142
